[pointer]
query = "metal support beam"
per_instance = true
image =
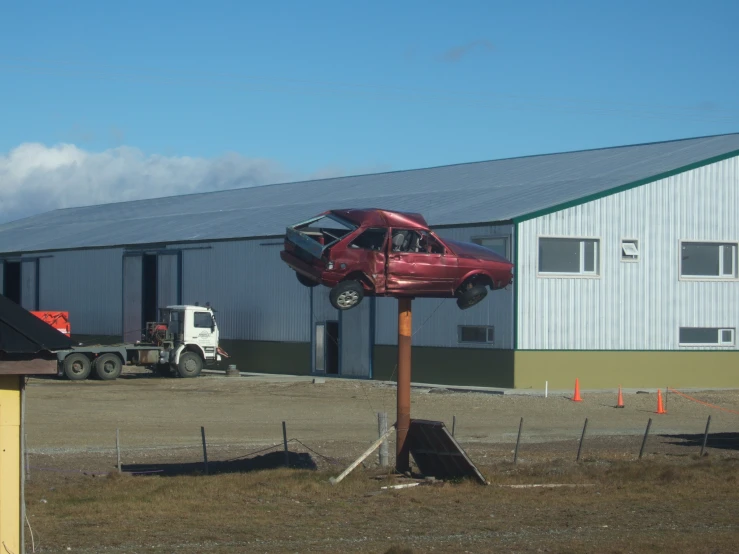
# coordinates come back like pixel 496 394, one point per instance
pixel 405 327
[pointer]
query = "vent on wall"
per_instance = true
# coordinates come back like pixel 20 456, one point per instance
pixel 629 250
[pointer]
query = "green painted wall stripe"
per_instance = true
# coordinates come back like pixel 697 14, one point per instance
pixel 622 188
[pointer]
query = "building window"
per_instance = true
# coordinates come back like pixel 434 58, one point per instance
pixel 569 256
pixel 629 250
pixel 476 333
pixel 712 260
pixel 706 336
pixel 499 245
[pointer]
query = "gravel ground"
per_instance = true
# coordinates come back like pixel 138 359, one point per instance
pixel 161 418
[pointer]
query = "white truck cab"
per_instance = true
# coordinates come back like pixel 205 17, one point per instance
pixel 190 337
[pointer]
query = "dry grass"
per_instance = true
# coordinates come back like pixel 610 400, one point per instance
pixel 679 505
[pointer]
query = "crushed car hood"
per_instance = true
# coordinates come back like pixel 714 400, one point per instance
pixel 472 250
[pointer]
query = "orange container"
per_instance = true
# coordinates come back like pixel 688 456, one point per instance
pixel 58 320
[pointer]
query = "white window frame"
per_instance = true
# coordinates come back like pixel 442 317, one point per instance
pixel 718 344
pixel 624 257
pixel 582 274
pixel 506 238
pixel 488 330
pixel 733 277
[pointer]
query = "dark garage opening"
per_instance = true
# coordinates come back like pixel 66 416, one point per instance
pixel 12 281
pixel 149 292
pixel 332 348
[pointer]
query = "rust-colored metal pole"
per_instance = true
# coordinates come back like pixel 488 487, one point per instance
pixel 405 320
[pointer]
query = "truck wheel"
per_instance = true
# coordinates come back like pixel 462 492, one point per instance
pixel 108 367
pixel 471 295
pixel 190 365
pixel 346 295
pixel 77 367
pixel 305 281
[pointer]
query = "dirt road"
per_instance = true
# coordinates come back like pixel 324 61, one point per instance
pixel 69 417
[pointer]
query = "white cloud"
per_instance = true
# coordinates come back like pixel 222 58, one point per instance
pixel 35 178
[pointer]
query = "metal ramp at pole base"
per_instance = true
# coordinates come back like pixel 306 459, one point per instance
pixel 437 454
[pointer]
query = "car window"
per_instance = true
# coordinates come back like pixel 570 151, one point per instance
pixel 417 242
pixel 371 239
pixel 202 320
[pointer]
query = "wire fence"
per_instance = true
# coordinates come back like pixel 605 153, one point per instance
pixel 582 444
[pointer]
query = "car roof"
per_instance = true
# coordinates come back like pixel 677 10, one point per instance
pixel 369 217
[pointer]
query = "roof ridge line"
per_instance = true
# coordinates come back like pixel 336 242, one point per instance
pixel 527 156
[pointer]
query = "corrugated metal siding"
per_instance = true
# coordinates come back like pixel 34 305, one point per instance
pixel 87 284
pixel 322 308
pixel 435 321
pixel 133 298
pixel 633 306
pixel 168 279
pixel 29 284
pixel 355 340
pixel 255 295
pixel 491 191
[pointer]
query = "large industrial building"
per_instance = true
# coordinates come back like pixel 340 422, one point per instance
pixel 626 270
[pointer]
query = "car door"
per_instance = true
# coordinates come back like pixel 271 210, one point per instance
pixel 367 253
pixel 419 265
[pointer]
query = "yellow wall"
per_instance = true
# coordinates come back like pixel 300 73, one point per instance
pixel 609 369
pixel 10 420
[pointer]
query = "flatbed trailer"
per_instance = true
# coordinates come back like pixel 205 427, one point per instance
pixel 106 361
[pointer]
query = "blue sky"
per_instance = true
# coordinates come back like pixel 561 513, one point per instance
pixel 328 87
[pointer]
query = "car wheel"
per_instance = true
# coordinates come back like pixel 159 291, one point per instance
pixel 346 295
pixel 471 295
pixel 305 281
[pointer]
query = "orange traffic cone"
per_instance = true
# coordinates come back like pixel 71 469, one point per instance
pixel 660 407
pixel 620 403
pixel 577 398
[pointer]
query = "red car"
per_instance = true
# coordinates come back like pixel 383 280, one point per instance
pixel 372 252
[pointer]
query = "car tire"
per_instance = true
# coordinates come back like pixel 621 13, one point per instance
pixel 108 367
pixel 77 367
pixel 471 295
pixel 346 295
pixel 305 281
pixel 190 364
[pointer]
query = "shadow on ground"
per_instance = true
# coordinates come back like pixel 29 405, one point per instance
pixel 723 441
pixel 147 375
pixel 272 460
